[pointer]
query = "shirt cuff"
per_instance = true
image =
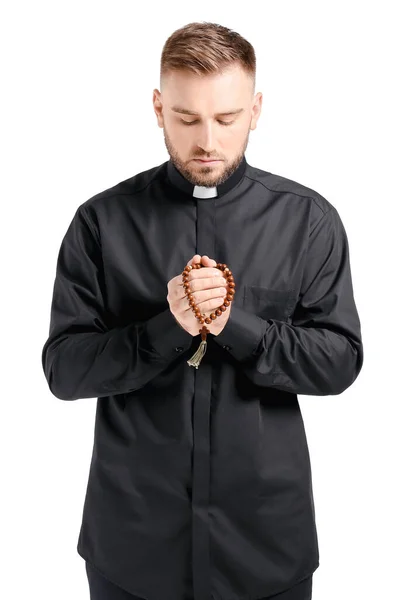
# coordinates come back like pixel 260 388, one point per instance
pixel 242 333
pixel 166 336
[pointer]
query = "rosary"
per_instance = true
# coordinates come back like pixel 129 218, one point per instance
pixel 195 360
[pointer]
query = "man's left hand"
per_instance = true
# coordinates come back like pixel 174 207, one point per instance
pixel 219 323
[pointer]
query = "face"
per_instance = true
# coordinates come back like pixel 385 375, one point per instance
pixel 207 117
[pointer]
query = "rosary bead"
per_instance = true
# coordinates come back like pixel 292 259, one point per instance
pixel 202 318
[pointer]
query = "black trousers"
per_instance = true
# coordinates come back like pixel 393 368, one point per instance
pixel 103 589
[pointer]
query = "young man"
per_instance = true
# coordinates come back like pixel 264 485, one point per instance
pixel 200 482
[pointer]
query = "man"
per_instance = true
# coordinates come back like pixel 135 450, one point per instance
pixel 200 481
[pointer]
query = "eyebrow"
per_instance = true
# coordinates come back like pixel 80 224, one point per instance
pixel 185 111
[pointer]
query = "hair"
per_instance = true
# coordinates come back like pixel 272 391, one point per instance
pixel 204 48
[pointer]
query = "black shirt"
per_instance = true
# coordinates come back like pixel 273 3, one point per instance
pixel 200 481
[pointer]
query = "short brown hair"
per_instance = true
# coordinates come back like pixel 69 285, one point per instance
pixel 204 48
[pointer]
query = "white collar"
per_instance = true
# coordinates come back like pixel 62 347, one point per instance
pixel 201 191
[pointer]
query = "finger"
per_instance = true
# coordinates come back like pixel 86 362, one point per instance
pixel 205 262
pixel 195 259
pixel 208 262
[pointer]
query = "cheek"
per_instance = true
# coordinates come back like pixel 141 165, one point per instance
pixel 180 140
pixel 183 134
pixel 233 139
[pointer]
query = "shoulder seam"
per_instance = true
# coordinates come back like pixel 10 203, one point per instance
pixel 290 192
pixel 321 218
pixel 136 191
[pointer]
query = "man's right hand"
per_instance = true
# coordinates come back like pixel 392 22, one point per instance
pixel 209 288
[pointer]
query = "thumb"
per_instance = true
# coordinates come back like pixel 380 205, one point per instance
pixel 208 262
pixel 195 259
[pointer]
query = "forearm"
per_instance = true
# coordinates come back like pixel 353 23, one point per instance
pixel 302 360
pixel 93 364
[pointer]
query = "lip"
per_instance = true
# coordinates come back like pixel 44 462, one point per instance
pixel 207 162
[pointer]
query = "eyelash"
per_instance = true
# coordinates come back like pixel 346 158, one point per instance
pixel 225 123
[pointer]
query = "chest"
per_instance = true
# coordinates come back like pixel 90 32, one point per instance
pixel 263 241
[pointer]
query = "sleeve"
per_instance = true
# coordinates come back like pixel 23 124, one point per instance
pixel 320 352
pixel 82 357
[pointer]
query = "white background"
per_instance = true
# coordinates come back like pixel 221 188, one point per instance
pixel 77 118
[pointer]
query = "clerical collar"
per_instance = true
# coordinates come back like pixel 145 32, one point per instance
pixel 197 191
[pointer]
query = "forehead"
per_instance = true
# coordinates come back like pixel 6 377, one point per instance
pixel 216 94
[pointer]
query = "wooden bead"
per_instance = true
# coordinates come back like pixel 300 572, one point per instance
pixel 192 302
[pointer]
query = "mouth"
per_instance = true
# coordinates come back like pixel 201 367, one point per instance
pixel 206 162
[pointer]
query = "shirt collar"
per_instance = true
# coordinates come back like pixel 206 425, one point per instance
pixel 178 180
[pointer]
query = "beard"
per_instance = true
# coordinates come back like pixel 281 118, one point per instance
pixel 210 176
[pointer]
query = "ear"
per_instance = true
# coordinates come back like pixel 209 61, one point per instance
pixel 158 107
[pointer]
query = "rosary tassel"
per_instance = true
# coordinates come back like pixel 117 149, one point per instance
pixel 195 360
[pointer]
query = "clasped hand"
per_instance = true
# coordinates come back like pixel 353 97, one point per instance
pixel 209 287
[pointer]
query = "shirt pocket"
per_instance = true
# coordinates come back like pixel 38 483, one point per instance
pixel 269 303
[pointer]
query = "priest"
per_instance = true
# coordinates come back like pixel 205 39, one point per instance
pixel 200 482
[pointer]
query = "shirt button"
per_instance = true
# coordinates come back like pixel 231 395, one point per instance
pixel 227 347
pixel 179 348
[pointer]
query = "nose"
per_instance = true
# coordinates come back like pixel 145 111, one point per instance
pixel 205 140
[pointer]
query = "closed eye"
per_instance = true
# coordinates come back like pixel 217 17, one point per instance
pixel 193 122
